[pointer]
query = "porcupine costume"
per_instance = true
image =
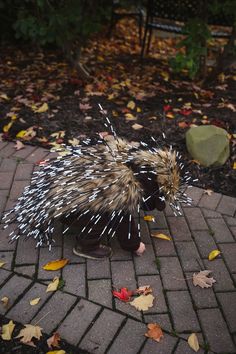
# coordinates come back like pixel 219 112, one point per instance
pixel 102 187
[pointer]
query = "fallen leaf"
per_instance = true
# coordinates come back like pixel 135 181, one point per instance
pixel 84 106
pixel 144 290
pixel 202 280
pixel 54 340
pixel 5 301
pixel 161 236
pixel 55 265
pixel 193 342
pixel 41 109
pixel 124 294
pixel 53 285
pixel 2 263
pixel 137 126
pixel 7 330
pixel 19 145
pixel 35 301
pixel 213 254
pixel 167 108
pixel 149 218
pixel 131 105
pixel 129 116
pixel 234 166
pixel 74 142
pixel 208 191
pixel 56 352
pixel 7 127
pixel 143 302
pixel 4 97
pixel 154 332
pixel 170 115
pixel 28 333
pixel 183 125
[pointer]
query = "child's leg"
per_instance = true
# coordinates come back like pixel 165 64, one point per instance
pixel 132 243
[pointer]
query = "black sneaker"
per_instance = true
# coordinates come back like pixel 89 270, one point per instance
pixel 100 252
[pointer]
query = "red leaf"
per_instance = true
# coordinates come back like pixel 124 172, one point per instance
pixel 167 108
pixel 185 112
pixel 124 294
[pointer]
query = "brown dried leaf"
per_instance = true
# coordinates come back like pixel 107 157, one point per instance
pixel 54 340
pixel 202 280
pixel 5 301
pixel 29 332
pixel 144 290
pixel 154 332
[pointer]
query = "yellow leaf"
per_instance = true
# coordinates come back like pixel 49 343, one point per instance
pixel 139 109
pixel 2 263
pixel 161 236
pixel 213 254
pixel 208 191
pixel 149 218
pixel 193 342
pixel 165 75
pixel 56 352
pixel 7 127
pixel 5 301
pixel 55 265
pixel 41 109
pixel 29 332
pixel 129 116
pixel 4 97
pixel 21 134
pixel 234 166
pixel 131 105
pixel 74 142
pixel 53 285
pixel 170 115
pixel 35 301
pixel 143 302
pixel 7 330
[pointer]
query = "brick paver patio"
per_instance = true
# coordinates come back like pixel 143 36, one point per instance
pixel 85 313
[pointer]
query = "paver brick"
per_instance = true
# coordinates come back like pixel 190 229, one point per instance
pixel 228 305
pixel 201 299
pixel 56 309
pixel 210 201
pixel 145 234
pixel 37 155
pixel 118 253
pixel 162 247
pixel 12 289
pixel 162 319
pixel 221 230
pixel 183 347
pixel 182 311
pixel 230 221
pixel 26 270
pixel 221 274
pixel 159 304
pixel 23 153
pixel 2 144
pixel 3 199
pixel 195 219
pixel 205 242
pixel 7 257
pixel 17 189
pixel 179 229
pixel 160 220
pixel 188 255
pixel 130 338
pixel 4 274
pixel 210 214
pixel 171 274
pixel 165 346
pixel 100 291
pixel 26 253
pixel 100 335
pixel 194 193
pixel 217 335
pixel 6 179
pixel 146 263
pixel 123 274
pixel 23 171
pixel 77 321
pixel 5 244
pixel 98 269
pixel 46 256
pixel 229 254
pixel 233 230
pixel 227 205
pixel 23 312
pixel 68 244
pixel 8 165
pixel 75 281
pixel 8 150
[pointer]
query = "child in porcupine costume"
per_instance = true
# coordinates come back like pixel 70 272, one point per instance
pixel 99 188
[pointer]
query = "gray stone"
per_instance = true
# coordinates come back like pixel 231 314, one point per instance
pixel 195 219
pixel 102 332
pixel 6 179
pixel 159 304
pixel 4 274
pixel 123 275
pixel 23 171
pixel 229 254
pixel 77 321
pixel 210 201
pixel 26 253
pixel 8 165
pixel 203 298
pixel 55 310
pixel 194 193
pixel 145 264
pixel 228 305
pixel 220 274
pixel 98 269
pixel 23 312
pixel 216 331
pixel 227 205
pixel 221 230
pixel 165 346
pixel 188 256
pixel 208 144
pixel 205 242
pixel 100 291
pixel 127 309
pixel 171 274
pixel 12 289
pixel 179 229
pixel 7 256
pixel 162 319
pixel 26 270
pixel 5 244
pixel 183 347
pixel 210 214
pixel 182 311
pixel 74 276
pixel 230 221
pixel 130 338
pixel 164 248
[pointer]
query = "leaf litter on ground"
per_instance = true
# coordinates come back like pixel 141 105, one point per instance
pixel 201 279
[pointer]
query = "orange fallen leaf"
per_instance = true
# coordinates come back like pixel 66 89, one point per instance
pixel 144 290
pixel 154 332
pixel 149 218
pixel 161 236
pixel 55 265
pixel 170 115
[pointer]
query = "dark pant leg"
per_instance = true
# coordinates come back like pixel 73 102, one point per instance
pixel 132 243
